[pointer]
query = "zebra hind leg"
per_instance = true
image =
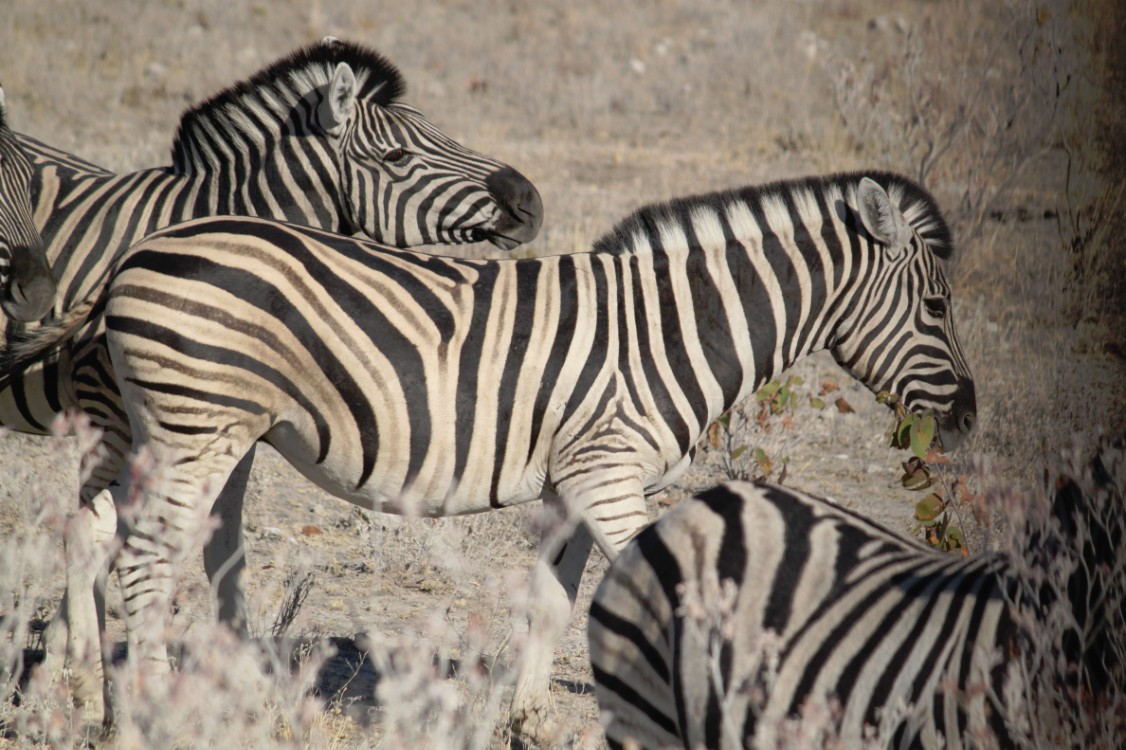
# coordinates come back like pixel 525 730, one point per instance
pixel 162 520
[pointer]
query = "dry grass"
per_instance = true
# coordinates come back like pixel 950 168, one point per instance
pixel 605 107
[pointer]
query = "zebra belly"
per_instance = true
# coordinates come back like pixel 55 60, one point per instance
pixel 435 492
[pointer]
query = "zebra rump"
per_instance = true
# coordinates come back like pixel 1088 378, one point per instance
pixel 752 615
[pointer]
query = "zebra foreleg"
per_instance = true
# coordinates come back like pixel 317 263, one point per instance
pixel 604 507
pixel 224 556
pixel 73 639
pixel 551 599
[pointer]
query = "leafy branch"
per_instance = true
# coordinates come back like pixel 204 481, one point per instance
pixel 938 515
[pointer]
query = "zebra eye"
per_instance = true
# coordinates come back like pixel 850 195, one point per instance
pixel 395 156
pixel 936 306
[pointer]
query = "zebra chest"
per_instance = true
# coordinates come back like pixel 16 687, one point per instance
pixel 609 434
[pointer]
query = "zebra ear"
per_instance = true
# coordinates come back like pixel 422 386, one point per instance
pixel 881 217
pixel 340 99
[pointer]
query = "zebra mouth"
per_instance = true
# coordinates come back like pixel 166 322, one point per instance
pixel 949 438
pixel 503 242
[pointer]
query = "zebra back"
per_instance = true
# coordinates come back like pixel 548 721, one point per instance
pixel 750 613
pixel 751 605
pixel 27 287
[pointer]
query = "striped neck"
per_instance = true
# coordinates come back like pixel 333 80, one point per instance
pixel 277 103
pixel 742 290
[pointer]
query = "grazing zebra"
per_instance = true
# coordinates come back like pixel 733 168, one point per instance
pixel 416 384
pixel 318 137
pixel 27 288
pixel 751 612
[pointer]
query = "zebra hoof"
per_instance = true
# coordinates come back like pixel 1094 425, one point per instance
pixel 535 724
pixel 87 697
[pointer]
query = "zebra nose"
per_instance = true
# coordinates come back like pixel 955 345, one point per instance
pixel 965 406
pixel 522 208
pixel 31 287
pixel 955 425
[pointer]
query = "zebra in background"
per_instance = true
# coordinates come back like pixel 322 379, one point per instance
pixel 318 137
pixel 751 612
pixel 416 384
pixel 27 288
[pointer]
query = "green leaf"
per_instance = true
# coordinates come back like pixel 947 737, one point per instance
pixel 763 461
pixel 922 434
pixel 735 453
pixel 902 431
pixel 767 391
pixel 929 508
pixel 816 403
pixel 955 538
pixel 795 380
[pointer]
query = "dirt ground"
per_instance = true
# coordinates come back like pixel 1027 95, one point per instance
pixel 607 107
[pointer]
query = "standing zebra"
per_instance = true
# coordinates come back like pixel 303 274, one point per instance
pixel 27 288
pixel 751 607
pixel 416 384
pixel 318 137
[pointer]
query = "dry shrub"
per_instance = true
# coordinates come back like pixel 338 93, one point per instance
pixel 976 96
pixel 1070 560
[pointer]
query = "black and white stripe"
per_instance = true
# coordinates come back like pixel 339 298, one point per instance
pixel 27 288
pixel 752 612
pixel 319 137
pixel 411 383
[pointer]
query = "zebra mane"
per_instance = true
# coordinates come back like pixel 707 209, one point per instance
pixel 279 86
pixel 917 205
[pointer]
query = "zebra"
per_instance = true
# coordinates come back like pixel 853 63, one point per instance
pixel 409 383
pixel 27 286
pixel 318 137
pixel 750 611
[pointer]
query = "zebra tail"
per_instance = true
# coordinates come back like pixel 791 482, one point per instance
pixel 26 347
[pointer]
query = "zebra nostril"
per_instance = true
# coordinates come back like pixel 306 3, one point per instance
pixel 520 200
pixel 966 424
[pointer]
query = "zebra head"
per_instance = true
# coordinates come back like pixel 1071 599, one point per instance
pixel 897 333
pixel 27 287
pixel 407 182
pixel 320 138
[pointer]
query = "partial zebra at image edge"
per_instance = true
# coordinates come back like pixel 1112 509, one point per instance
pixel 694 642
